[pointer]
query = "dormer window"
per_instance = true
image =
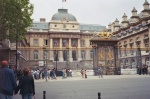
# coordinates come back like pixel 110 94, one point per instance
pixel 131 42
pixel 64 25
pixel 138 42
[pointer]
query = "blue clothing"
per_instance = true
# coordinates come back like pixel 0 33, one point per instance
pixel 3 96
pixel 27 96
pixel 7 81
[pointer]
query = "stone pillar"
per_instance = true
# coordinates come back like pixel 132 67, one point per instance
pixel 61 56
pixel 70 56
pixel 61 52
pixel 79 51
pixel 69 42
pixel 87 54
pixel 70 51
pixel 60 43
pixel 51 52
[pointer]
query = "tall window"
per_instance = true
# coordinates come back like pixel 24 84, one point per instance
pixel 74 55
pixel 82 43
pixel 91 54
pixel 83 54
pixel 45 54
pixel 36 42
pixel 45 42
pixel 35 54
pixel 56 58
pixel 65 53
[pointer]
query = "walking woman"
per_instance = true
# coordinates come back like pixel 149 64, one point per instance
pixel 26 85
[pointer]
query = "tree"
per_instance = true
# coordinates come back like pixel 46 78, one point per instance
pixel 15 18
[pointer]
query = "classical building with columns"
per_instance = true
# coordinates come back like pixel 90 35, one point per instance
pixel 60 43
pixel 133 39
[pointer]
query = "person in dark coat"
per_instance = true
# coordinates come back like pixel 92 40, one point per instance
pixel 26 85
pixel 7 81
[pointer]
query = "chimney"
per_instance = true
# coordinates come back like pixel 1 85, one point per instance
pixel 42 19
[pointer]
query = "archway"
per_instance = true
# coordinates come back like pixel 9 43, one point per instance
pixel 147 61
pixel 132 63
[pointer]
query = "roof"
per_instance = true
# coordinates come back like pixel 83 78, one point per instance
pixel 91 27
pixel 63 15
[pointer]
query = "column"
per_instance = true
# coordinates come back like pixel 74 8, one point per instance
pixel 51 52
pixel 70 56
pixel 70 51
pixel 79 51
pixel 87 54
pixel 61 52
pixel 61 56
pixel 60 43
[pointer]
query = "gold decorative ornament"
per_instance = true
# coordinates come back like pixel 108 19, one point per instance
pixel 105 35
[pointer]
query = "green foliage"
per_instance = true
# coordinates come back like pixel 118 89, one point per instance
pixel 15 18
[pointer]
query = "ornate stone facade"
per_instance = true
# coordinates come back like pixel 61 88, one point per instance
pixel 62 42
pixel 133 35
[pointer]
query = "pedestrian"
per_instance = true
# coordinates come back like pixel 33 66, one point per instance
pixel 85 74
pixel 82 72
pixel 7 81
pixel 26 85
pixel 100 72
pixel 63 73
pixel 70 72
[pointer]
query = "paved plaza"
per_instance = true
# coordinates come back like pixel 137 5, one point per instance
pixel 111 87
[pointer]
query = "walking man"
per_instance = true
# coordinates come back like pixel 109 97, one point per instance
pixel 100 72
pixel 7 81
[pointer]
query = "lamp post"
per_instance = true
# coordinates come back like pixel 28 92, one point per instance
pixel 67 58
pixel 16 51
pixel 56 57
pixel 139 62
pixel 95 57
pixel 45 63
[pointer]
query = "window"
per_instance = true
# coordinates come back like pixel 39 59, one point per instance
pixel 83 54
pixel 56 56
pixel 74 55
pixel 64 25
pixel 65 55
pixel 82 43
pixel 45 42
pixel 36 42
pixel 35 54
pixel 45 54
pixel 91 54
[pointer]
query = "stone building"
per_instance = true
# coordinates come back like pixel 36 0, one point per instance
pixel 62 42
pixel 133 39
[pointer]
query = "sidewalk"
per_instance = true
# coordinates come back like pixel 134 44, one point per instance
pixel 94 78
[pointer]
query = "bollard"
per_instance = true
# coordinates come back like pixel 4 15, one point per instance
pixel 44 94
pixel 99 95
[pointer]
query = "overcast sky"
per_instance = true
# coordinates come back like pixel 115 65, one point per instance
pixel 87 11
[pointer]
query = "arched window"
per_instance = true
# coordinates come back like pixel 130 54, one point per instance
pixel 35 54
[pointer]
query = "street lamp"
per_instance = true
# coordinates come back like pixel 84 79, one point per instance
pixel 45 62
pixel 139 61
pixel 67 58
pixel 95 57
pixel 56 58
